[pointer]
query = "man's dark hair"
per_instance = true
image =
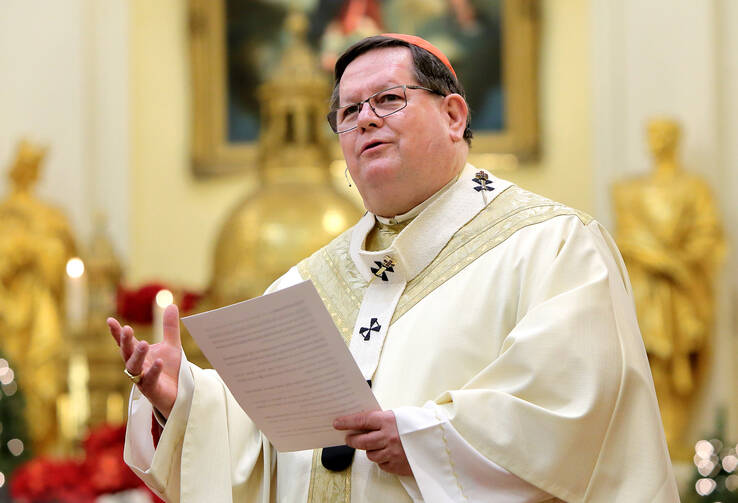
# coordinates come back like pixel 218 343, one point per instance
pixel 430 72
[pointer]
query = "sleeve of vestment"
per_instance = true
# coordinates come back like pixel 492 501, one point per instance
pixel 209 449
pixel 447 468
pixel 568 404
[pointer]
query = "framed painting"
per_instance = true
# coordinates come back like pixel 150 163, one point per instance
pixel 235 44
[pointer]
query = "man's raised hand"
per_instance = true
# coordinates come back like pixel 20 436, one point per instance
pixel 157 364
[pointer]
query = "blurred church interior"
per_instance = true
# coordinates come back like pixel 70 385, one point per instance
pixel 177 151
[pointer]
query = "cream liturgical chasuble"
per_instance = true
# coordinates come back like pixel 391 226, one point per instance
pixel 499 328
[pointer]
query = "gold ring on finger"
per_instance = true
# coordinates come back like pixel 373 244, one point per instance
pixel 134 378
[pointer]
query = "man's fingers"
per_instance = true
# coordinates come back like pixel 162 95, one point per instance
pixel 149 378
pixel 127 342
pixel 171 325
pixel 134 364
pixel 379 456
pixel 115 329
pixel 362 421
pixel 367 441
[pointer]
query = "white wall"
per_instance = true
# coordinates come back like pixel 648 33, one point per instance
pixel 64 83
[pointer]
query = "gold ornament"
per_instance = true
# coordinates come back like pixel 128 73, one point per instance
pixel 35 243
pixel 668 231
pixel 135 379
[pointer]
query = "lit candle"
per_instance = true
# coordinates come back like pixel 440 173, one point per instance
pixel 79 396
pixel 76 294
pixel 161 301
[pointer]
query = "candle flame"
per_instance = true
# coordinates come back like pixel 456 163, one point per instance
pixel 75 267
pixel 164 298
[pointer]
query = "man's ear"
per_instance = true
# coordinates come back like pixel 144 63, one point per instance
pixel 456 111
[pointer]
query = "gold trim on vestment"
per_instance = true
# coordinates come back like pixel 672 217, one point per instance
pixel 327 486
pixel 341 286
pixel 513 210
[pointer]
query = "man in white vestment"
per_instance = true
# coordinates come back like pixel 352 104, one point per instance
pixel 496 328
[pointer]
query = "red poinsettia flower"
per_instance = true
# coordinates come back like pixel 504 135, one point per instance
pixel 134 305
pixel 43 480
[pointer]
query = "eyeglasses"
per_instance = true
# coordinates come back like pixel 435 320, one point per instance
pixel 383 103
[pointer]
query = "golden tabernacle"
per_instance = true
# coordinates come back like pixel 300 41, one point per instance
pixel 296 210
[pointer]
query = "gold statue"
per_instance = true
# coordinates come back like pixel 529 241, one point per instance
pixel 668 231
pixel 35 244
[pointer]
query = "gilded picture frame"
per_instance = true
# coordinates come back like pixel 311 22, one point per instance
pixel 216 149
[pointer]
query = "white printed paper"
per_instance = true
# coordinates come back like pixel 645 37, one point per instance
pixel 286 364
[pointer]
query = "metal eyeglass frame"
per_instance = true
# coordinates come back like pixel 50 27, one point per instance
pixel 332 115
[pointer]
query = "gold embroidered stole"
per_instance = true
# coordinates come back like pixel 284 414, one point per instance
pixel 342 288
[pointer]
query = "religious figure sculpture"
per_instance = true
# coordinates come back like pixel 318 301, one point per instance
pixel 669 233
pixel 35 244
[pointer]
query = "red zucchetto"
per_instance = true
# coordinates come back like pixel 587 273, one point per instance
pixel 423 44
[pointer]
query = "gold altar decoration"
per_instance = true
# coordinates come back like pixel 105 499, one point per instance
pixel 297 209
pixel 669 233
pixel 35 244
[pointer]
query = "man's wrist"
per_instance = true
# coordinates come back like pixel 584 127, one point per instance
pixel 159 417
